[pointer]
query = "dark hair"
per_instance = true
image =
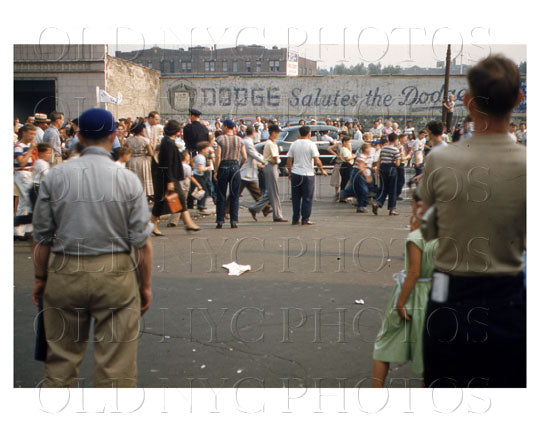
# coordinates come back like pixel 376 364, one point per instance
pixel 402 135
pixel 152 114
pixel 28 127
pixel 43 147
pixel 392 137
pixel 121 151
pixel 202 145
pixel 218 133
pixel 383 140
pixel 304 130
pixel 172 128
pixel 435 127
pixel 250 130
pixel 55 115
pixel 137 128
pixel 346 138
pixel 421 131
pixel 494 84
pixel 416 197
pixel 184 155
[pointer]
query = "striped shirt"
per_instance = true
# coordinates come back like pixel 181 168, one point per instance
pixel 389 154
pixel 231 147
pixel 19 150
pixel 361 157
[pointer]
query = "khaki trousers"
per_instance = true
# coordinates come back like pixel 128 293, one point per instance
pixel 80 288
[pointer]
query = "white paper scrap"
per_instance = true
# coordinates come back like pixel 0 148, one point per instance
pixel 236 269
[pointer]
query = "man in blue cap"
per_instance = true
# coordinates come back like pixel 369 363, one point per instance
pixel 90 213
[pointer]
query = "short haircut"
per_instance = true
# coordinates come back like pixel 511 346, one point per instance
pixel 218 133
pixel 392 137
pixel 421 131
pixel 172 128
pixel 304 130
pixel 346 138
pixel 512 124
pixel 184 155
pixel 202 145
pixel 523 123
pixel 28 127
pixel 401 135
pixel 494 84
pixel 250 130
pixel 55 115
pixel 435 127
pixel 153 114
pixel 43 147
pixel 121 151
pixel 384 139
pixel 365 146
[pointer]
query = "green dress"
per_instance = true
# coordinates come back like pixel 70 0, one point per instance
pixel 398 340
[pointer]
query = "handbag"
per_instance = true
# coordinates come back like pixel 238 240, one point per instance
pixel 198 194
pixel 175 206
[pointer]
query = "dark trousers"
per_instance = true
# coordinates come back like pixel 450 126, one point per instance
pixel 228 176
pixel 262 181
pixel 477 337
pixel 254 191
pixel 388 176
pixel 345 173
pixel 358 187
pixel 302 196
pixel 400 179
pixel 418 169
pixel 204 181
pixel 449 117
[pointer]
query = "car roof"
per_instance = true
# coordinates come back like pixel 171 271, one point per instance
pixel 318 127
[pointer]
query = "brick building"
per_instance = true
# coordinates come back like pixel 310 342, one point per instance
pixel 65 77
pixel 203 61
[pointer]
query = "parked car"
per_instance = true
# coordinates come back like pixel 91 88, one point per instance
pixel 291 134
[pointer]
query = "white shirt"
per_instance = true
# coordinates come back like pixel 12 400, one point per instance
pixel 121 164
pixel 41 167
pixel 418 146
pixel 39 135
pixel 513 136
pixel 358 135
pixel 303 151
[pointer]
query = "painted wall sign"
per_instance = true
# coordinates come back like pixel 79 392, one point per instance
pixel 317 96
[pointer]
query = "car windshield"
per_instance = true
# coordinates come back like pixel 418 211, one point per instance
pixel 290 135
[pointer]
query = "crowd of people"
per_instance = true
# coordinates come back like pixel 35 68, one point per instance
pixel 367 177
pixel 177 166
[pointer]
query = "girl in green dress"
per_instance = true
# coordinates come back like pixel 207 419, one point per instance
pixel 400 337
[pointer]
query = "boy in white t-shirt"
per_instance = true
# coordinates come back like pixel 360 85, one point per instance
pixel 41 167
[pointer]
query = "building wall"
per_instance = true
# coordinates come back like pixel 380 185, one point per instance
pixel 139 87
pixel 76 70
pixel 161 59
pixel 341 96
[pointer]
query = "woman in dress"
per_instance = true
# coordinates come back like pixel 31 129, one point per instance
pixel 169 174
pixel 400 337
pixel 141 152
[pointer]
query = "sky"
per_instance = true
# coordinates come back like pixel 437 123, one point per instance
pixel 392 54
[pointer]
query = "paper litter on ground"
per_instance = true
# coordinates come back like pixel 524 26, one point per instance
pixel 236 269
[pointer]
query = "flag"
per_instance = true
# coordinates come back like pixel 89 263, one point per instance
pixel 104 97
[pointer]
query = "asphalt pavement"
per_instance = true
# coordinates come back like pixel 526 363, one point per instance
pixel 306 315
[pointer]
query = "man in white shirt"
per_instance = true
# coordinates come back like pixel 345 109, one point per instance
pixel 302 153
pixel 376 130
pixel 512 132
pixel 521 134
pixel 41 123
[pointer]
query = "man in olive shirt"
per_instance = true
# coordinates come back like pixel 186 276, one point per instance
pixel 90 213
pixel 475 324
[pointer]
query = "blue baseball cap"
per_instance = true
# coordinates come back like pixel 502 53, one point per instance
pixel 96 123
pixel 229 123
